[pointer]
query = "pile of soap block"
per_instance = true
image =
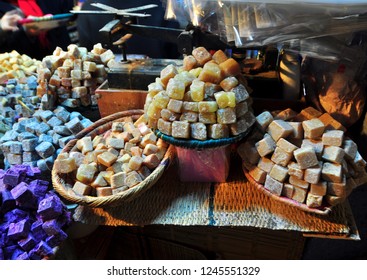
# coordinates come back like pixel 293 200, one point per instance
pixel 113 162
pixel 306 157
pixel 16 65
pixel 37 140
pixel 18 98
pixel 71 77
pixel 206 98
pixel 33 219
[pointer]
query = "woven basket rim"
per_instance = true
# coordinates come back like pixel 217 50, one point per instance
pixel 324 210
pixel 58 180
pixel 202 144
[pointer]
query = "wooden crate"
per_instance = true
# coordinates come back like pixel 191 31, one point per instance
pixel 112 100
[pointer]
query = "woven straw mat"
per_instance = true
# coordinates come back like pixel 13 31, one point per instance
pixel 234 203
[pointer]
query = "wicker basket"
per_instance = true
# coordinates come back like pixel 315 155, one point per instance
pixel 62 183
pixel 323 210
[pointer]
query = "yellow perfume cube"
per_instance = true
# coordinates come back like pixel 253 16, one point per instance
pixel 186 77
pixel 225 99
pixel 208 106
pixel 167 73
pixel 197 90
pixel 196 71
pixel 153 112
pixel 161 100
pixel 211 73
pixel 176 89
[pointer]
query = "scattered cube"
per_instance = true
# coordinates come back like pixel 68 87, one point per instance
pixel 217 131
pixel 181 129
pixel 337 189
pixel 313 201
pixel 317 145
pixel 313 129
pixel 312 174
pixel 305 157
pixel 258 174
pixel 81 188
pixel 319 188
pixel 295 170
pixel 297 132
pixel 299 194
pixel 287 190
pixel 273 185
pixel 279 173
pixel 331 172
pixel 165 126
pixel 286 145
pixel 265 146
pixel 350 149
pixel 265 164
pixel 298 182
pixel 281 157
pixel 333 154
pixel 226 116
pixel 279 129
pixel 333 138
pixel 198 131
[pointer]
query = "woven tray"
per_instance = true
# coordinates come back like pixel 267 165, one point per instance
pixel 62 183
pixel 323 210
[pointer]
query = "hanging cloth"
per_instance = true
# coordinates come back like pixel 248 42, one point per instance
pixel 31 8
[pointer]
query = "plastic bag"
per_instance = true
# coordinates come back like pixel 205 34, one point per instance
pixel 252 23
pixel 338 86
pixel 258 23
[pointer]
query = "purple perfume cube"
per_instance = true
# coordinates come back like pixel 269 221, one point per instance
pixel 9 250
pixel 51 227
pixel 37 230
pixel 23 256
pixel 31 204
pixel 56 240
pixel 21 193
pixel 43 250
pixel 17 252
pixel 36 172
pixel 33 255
pixel 28 243
pixel 29 171
pixel 8 201
pixel 65 219
pixel 50 208
pixel 22 169
pixel 11 178
pixel 2 257
pixel 19 230
pixel 38 187
pixel 15 215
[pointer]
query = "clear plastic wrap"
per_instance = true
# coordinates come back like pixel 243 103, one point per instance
pixel 251 23
pixel 338 86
